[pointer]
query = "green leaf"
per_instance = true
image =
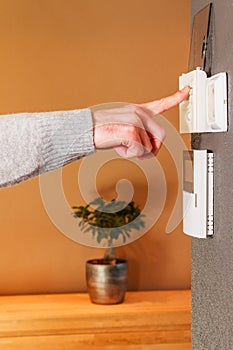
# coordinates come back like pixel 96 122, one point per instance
pixel 117 217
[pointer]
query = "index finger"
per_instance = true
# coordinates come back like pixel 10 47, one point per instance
pixel 167 102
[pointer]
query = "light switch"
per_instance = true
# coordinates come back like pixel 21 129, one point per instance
pixel 206 108
pixel 198 193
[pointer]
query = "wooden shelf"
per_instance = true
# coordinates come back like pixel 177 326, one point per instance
pixel 159 320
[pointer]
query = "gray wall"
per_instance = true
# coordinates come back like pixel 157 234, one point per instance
pixel 212 259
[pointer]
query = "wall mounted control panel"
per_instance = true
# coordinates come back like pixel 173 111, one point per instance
pixel 206 108
pixel 198 193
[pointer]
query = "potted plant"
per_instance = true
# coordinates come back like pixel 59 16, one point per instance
pixel 108 222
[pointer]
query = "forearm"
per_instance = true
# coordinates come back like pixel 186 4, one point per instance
pixel 34 143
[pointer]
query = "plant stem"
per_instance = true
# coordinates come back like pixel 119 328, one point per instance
pixel 110 254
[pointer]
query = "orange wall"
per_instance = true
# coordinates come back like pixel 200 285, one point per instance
pixel 59 54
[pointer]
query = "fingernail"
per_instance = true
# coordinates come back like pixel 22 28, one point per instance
pixel 186 88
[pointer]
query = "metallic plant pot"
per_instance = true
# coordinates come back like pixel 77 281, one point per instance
pixel 106 282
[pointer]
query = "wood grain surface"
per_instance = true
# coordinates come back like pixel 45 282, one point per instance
pixel 159 320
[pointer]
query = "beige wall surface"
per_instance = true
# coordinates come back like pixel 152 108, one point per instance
pixel 59 54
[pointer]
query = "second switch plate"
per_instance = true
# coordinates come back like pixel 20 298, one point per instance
pixel 206 108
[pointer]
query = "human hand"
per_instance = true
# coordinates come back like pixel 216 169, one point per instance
pixel 132 129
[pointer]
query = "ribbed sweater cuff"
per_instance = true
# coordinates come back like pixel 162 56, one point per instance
pixel 67 136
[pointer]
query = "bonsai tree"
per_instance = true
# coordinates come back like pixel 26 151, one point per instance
pixel 109 220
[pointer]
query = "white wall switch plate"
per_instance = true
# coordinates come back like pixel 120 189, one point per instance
pixel 198 193
pixel 206 108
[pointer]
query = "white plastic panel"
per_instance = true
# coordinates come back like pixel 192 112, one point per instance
pixel 198 194
pixel 206 108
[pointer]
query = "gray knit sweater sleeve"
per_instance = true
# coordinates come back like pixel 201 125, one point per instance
pixel 34 143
